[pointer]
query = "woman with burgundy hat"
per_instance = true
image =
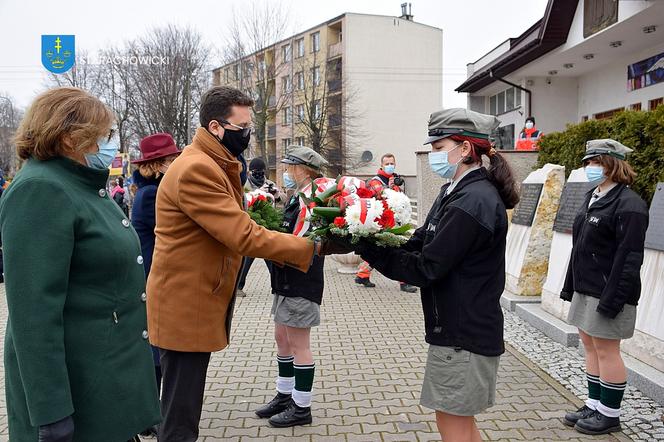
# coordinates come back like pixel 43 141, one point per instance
pixel 157 153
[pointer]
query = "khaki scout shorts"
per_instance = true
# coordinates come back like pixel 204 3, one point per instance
pixel 459 382
pixel 295 312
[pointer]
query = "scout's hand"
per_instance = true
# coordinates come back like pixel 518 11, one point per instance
pixel 333 247
pixel 60 431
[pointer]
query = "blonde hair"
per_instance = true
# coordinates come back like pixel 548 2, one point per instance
pixel 150 169
pixel 60 112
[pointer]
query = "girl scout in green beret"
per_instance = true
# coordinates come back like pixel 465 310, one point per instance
pixel 604 282
pixel 457 258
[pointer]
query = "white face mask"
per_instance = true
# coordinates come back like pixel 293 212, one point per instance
pixel 529 125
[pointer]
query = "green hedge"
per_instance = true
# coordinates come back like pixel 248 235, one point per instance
pixel 642 131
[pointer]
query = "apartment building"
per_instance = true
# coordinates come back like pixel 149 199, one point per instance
pixel 357 85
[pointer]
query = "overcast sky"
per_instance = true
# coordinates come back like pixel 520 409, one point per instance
pixel 470 29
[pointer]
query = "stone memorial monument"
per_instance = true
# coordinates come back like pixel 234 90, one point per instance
pixel 531 231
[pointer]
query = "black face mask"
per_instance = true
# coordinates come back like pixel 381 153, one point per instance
pixel 258 177
pixel 234 141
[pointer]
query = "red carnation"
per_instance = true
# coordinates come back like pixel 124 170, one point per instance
pixel 387 219
pixel 365 193
pixel 262 198
pixel 339 221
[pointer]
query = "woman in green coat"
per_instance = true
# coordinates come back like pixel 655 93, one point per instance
pixel 78 365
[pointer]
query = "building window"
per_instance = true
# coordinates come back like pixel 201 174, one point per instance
pixel 492 105
pixel 504 137
pixel 288 115
pixel 317 109
pixel 635 107
pixel 504 101
pixel 286 84
pixel 299 44
pixel 299 141
pixel 236 72
pixel 608 114
pixel 584 118
pixel 287 52
pixel 227 74
pixel 653 104
pixel 261 69
pixel 315 42
pixel 300 112
pixel 285 142
pixel 315 75
pixel 299 80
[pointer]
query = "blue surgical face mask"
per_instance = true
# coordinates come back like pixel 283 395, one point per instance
pixel 595 174
pixel 389 168
pixel 107 151
pixel 440 164
pixel 289 182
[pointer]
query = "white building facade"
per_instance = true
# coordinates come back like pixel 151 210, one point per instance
pixel 585 59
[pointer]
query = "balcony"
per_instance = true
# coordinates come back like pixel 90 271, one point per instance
pixel 271 132
pixel 334 50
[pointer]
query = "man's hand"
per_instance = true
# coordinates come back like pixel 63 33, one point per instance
pixel 390 183
pixel 60 431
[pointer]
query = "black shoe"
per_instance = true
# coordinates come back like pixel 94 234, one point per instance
pixel 571 418
pixel 291 416
pixel 597 423
pixel 280 402
pixel 365 282
pixel 408 288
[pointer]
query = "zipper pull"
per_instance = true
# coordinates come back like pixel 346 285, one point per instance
pixel 115 317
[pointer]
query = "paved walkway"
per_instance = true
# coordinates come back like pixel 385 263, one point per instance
pixel 370 355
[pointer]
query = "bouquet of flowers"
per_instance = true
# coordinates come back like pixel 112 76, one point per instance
pixel 347 208
pixel 260 206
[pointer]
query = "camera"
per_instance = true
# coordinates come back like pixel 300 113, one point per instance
pixel 398 181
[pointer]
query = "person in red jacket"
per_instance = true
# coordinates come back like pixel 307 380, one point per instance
pixel 386 178
pixel 529 136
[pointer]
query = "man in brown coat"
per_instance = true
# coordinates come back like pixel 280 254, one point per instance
pixel 202 232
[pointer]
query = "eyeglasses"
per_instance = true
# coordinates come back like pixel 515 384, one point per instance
pixel 246 131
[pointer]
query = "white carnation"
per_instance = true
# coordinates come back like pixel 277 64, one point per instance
pixel 400 205
pixel 370 225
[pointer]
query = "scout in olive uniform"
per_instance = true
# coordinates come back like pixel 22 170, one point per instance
pixel 296 306
pixel 457 258
pixel 604 280
pixel 78 364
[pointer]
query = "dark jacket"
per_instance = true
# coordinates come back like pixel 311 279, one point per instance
pixel 291 282
pixel 143 215
pixel 76 342
pixel 458 259
pixel 607 250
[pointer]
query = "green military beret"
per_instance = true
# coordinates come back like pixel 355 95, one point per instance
pixel 304 155
pixel 606 147
pixel 459 121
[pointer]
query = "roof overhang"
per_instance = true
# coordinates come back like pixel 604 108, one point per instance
pixel 544 36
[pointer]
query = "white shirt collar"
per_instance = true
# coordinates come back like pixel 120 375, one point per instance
pixel 598 194
pixel 462 176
